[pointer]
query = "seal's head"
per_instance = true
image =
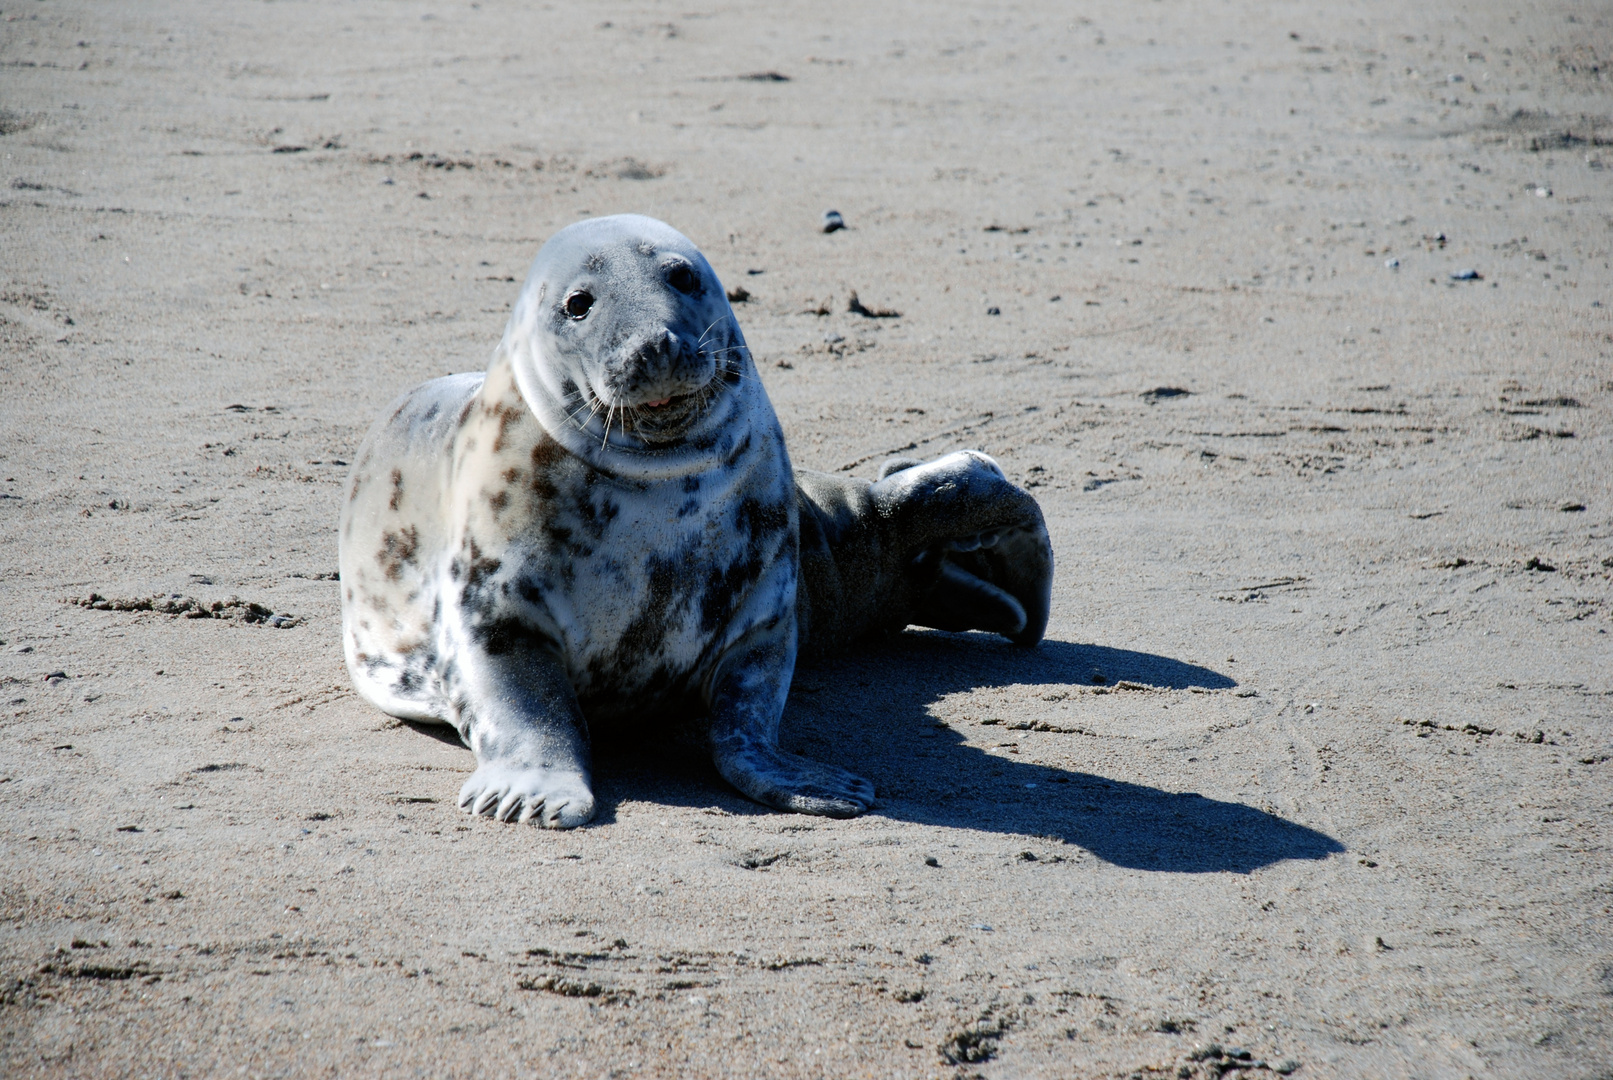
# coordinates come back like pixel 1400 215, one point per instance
pixel 625 347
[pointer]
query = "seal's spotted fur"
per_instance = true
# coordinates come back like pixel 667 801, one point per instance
pixel 606 526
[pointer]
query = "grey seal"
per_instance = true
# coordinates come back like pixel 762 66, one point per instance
pixel 603 533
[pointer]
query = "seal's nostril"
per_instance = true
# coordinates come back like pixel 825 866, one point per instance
pixel 656 350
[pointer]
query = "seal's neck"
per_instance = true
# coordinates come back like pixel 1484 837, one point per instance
pixel 741 412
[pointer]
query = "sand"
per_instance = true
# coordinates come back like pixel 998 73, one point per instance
pixel 1340 800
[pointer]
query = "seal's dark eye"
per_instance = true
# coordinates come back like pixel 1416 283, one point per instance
pixel 577 305
pixel 682 278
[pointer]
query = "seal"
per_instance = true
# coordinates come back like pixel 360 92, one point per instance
pixel 604 532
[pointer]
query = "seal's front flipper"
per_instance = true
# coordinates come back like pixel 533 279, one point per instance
pixel 791 782
pixel 977 549
pixel 555 798
pixel 746 704
pixel 516 710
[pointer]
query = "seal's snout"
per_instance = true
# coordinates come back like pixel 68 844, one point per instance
pixel 654 355
pixel 659 367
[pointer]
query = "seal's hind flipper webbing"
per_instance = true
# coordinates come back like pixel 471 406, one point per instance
pixel 960 600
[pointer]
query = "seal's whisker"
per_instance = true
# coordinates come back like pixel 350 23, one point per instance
pixel 574 413
pixel 708 330
pixel 593 410
pixel 725 370
pixel 725 362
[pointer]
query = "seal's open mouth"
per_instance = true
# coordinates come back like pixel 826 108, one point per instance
pixel 663 420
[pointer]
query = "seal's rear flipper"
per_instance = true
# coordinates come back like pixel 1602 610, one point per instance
pixel 948 543
pixel 960 600
pixel 978 550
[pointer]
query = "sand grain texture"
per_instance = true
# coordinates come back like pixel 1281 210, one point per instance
pixel 1314 762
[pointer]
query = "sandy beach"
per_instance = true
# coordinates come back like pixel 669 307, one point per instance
pixel 1294 318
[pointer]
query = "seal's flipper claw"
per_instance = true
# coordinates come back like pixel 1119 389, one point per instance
pixel 554 798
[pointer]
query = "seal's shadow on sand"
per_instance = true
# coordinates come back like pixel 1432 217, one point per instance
pixel 869 712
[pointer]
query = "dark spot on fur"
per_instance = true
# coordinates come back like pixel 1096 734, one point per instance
pixel 479 568
pixel 763 525
pixel 738 452
pixel 595 518
pixel 724 588
pixel 546 454
pixel 475 569
pixel 498 501
pixel 560 540
pixel 397 551
pixel 507 634
pixel 510 475
pixel 410 681
pixel 757 519
pixel 397 489
pixel 431 413
pixel 643 636
pixel 507 413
